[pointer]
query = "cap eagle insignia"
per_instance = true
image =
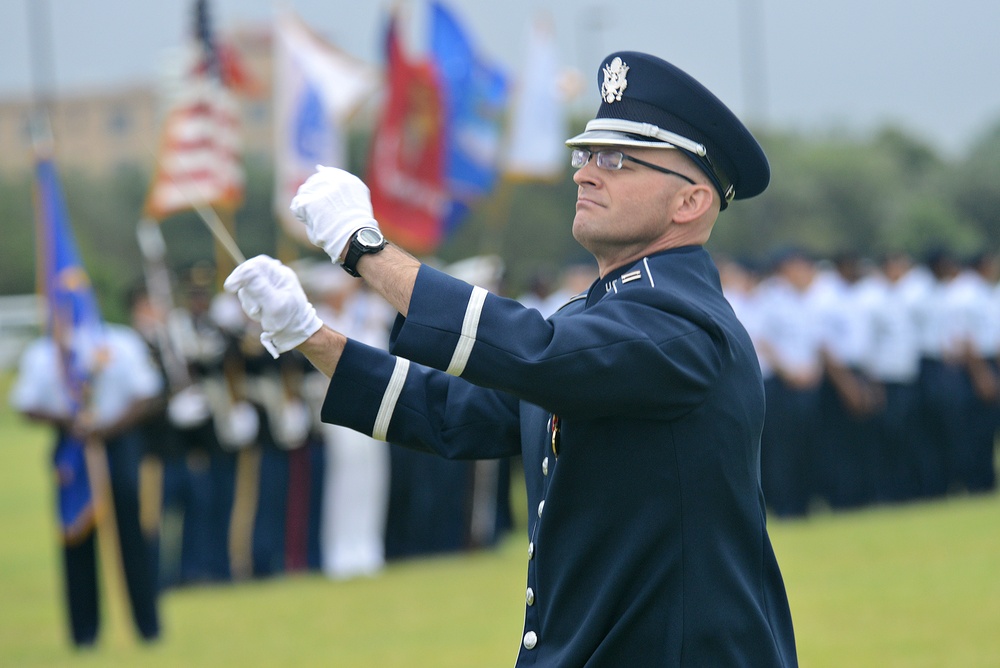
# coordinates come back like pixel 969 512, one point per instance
pixel 614 80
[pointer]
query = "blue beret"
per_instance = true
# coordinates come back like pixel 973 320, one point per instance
pixel 646 101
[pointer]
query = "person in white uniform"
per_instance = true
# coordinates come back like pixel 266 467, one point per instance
pixel 356 480
pixel 849 398
pixel 789 343
pixel 894 362
pixel 943 379
pixel 971 294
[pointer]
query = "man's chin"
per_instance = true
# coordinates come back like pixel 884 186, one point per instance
pixel 583 236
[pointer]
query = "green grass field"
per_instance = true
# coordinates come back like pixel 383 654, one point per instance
pixel 911 586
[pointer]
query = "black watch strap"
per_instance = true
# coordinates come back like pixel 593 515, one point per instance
pixel 364 241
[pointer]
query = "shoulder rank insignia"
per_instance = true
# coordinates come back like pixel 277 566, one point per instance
pixel 631 276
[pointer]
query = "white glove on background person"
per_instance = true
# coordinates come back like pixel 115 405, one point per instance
pixel 188 408
pixel 293 425
pixel 333 204
pixel 237 427
pixel 271 294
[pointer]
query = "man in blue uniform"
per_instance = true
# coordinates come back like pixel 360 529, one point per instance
pixel 637 407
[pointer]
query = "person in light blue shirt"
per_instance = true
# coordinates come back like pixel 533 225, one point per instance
pixel 124 390
pixel 894 362
pixel 790 343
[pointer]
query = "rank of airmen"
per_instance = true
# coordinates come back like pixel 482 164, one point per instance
pixel 881 375
pixel 882 386
pixel 881 381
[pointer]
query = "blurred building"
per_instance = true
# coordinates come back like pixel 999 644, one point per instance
pixel 101 131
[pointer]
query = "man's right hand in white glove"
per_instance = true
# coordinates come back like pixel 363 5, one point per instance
pixel 271 294
pixel 333 204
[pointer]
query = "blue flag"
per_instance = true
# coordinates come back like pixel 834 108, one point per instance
pixel 74 324
pixel 475 94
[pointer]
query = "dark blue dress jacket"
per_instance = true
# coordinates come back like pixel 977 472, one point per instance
pixel 637 409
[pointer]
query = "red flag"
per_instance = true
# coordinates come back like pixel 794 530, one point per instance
pixel 406 165
pixel 235 73
pixel 199 161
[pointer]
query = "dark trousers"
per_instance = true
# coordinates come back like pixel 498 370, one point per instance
pixel 222 481
pixel 428 504
pixel 943 400
pixel 846 459
pixel 304 506
pixel 80 560
pixel 200 492
pixel 272 502
pixel 973 463
pixel 898 434
pixel 787 448
pixel 80 581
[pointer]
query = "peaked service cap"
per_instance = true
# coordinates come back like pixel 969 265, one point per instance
pixel 646 101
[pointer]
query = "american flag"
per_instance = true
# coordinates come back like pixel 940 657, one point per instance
pixel 199 162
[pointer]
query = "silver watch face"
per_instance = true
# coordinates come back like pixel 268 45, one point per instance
pixel 370 237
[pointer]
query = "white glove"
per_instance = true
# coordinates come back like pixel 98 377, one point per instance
pixel 292 427
pixel 333 204
pixel 188 408
pixel 271 294
pixel 238 427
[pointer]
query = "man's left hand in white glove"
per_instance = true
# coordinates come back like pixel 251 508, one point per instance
pixel 271 294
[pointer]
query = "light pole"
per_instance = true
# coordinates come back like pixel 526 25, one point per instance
pixel 753 60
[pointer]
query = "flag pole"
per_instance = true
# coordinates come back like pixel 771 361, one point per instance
pixel 246 494
pixel 221 231
pixel 111 570
pixel 40 127
pixel 153 250
pixel 210 218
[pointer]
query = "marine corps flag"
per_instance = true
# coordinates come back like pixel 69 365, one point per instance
pixel 199 162
pixel 406 165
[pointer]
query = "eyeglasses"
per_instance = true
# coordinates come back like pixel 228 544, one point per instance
pixel 612 161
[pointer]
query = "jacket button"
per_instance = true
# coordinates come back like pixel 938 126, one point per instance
pixel 529 596
pixel 541 504
pixel 531 550
pixel 545 466
pixel 530 640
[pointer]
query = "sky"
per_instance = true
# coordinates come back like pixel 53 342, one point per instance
pixel 844 67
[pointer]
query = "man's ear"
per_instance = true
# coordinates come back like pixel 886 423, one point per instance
pixel 695 203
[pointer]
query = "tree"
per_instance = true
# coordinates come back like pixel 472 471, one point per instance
pixel 17 252
pixel 829 193
pixel 973 187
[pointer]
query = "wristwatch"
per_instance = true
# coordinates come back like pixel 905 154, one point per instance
pixel 364 241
